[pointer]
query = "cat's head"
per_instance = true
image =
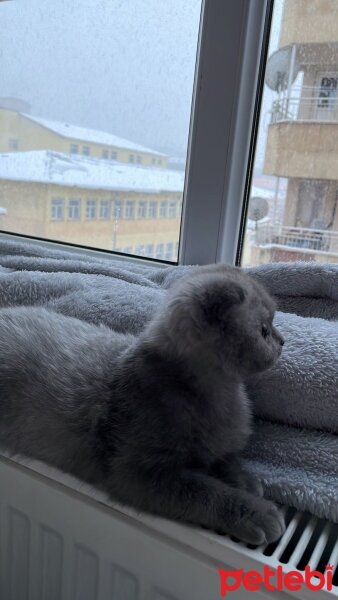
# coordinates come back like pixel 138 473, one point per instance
pixel 221 309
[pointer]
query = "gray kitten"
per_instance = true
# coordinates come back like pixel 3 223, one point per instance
pixel 159 421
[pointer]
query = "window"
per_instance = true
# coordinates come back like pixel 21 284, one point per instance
pixel 117 111
pixel 142 207
pixel 13 144
pixel 104 209
pixel 91 209
pixel 159 253
pixel 172 210
pixel 140 250
pixel 163 209
pixel 152 210
pixel 74 209
pixel 118 209
pixel 130 208
pixel 169 251
pixel 215 182
pixel 57 209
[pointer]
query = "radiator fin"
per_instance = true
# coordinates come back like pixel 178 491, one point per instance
pixel 124 585
pixel 51 545
pixel 86 574
pixel 18 555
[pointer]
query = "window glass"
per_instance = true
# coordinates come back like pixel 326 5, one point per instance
pixel 91 209
pixel 74 208
pixel 57 209
pixel 104 209
pixel 95 102
pixel 293 212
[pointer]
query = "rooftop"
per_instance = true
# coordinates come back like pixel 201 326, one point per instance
pixel 89 135
pixel 45 166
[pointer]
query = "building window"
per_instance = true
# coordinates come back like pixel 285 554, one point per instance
pixel 142 207
pixel 152 210
pixel 130 209
pixel 118 209
pixel 163 210
pixel 74 209
pixel 85 150
pixel 172 210
pixel 91 209
pixel 105 154
pixel 149 250
pixel 13 144
pixel 140 250
pixel 139 159
pixel 74 149
pixel 113 155
pixel 169 251
pixel 104 209
pixel 131 158
pixel 159 253
pixel 57 209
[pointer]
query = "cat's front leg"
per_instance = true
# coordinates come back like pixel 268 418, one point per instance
pixel 231 471
pixel 194 497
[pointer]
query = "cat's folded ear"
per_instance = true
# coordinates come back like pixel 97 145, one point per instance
pixel 218 301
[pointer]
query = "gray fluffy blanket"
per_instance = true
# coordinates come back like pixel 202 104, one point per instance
pixel 294 448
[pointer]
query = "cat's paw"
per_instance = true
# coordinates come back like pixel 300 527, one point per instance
pixel 263 523
pixel 250 483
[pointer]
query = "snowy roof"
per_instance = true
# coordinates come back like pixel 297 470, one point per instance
pixel 45 166
pixel 89 135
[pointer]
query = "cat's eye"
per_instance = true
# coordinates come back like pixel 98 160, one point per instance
pixel 265 331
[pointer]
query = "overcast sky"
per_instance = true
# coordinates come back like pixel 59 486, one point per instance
pixel 123 66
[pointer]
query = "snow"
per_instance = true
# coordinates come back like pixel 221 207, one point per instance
pixel 90 135
pixel 45 166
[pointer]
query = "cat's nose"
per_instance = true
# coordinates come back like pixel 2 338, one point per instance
pixel 281 341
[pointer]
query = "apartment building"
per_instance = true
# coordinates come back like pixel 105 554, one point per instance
pixel 302 138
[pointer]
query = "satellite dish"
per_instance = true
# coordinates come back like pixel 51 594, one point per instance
pixel 278 69
pixel 258 208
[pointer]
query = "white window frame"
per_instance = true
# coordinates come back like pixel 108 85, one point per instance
pixel 91 215
pixel 223 119
pixel 232 47
pixel 74 209
pixel 104 210
pixel 57 209
pixel 130 209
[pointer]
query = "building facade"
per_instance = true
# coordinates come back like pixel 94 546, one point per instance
pixel 302 139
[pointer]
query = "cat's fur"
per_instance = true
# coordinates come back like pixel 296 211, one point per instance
pixel 157 421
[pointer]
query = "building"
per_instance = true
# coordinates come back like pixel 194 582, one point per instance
pixel 97 203
pixel 22 132
pixel 302 140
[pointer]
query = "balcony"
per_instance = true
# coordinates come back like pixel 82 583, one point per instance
pixel 302 137
pixel 277 242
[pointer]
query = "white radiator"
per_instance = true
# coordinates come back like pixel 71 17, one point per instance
pixel 60 540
